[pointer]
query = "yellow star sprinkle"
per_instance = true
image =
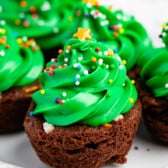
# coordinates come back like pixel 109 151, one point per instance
pixel 92 2
pixel 164 25
pixel 83 34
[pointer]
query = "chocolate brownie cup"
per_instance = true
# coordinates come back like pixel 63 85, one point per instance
pixel 81 145
pixel 21 62
pixel 153 88
pixel 87 111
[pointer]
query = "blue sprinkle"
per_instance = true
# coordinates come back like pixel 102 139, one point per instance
pixel 75 79
pixel 15 34
pixel 78 67
pixel 31 113
pixel 115 50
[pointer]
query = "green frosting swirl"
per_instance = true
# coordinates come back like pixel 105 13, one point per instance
pixel 154 65
pixel 36 19
pixel 113 27
pixel 53 22
pixel 85 84
pixel 21 61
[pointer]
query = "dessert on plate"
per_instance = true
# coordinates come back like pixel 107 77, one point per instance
pixel 87 112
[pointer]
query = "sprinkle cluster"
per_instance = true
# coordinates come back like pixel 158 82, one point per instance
pixel 32 11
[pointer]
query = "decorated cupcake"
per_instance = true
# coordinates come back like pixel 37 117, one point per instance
pixel 87 111
pixel 52 23
pixel 153 88
pixel 21 62
pixel 113 27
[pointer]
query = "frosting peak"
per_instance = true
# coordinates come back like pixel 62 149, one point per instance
pixel 164 34
pixel 86 84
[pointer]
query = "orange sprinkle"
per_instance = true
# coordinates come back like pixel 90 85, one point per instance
pixel 31 89
pixel 107 125
pixel 110 53
pixel 32 9
pixel 23 3
pixel 94 59
pixel 60 51
pixel 115 34
pixel 68 47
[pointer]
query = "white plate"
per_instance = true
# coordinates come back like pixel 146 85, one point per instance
pixel 16 149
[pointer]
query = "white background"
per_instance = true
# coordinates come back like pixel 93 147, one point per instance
pixel 16 149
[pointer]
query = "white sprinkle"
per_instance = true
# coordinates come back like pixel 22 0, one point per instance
pixel 86 72
pixel 100 53
pixel 121 67
pixel 75 65
pixel 119 117
pixel 123 84
pixel 67 51
pixel 66 59
pixel 46 6
pixel 48 127
pixel 2 22
pixel 100 61
pixel 119 16
pixel 64 94
pixel 105 22
pixel 118 58
pixel 80 58
pixel 107 66
pixel 77 83
pixel 89 5
pixel 166 85
pixel 106 53
pixel 2 53
pixel 77 76
pixel 24 38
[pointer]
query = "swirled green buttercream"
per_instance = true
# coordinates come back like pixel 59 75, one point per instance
pixel 34 18
pixel 112 27
pixel 154 65
pixel 60 19
pixel 87 83
pixel 21 61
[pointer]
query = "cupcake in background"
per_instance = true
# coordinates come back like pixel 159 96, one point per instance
pixel 21 62
pixel 87 111
pixel 153 88
pixel 115 28
pixel 53 22
pixel 35 19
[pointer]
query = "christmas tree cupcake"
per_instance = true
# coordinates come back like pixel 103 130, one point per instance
pixel 153 88
pixel 52 23
pixel 87 111
pixel 21 62
pixel 115 28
